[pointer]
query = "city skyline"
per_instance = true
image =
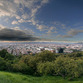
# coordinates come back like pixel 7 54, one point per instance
pixel 41 20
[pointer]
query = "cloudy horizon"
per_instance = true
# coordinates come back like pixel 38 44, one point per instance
pixel 31 20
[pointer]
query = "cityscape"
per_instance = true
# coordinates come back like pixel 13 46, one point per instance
pixel 35 47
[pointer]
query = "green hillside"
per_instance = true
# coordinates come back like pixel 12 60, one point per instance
pixel 6 77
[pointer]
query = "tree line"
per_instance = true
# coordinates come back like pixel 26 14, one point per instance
pixel 44 63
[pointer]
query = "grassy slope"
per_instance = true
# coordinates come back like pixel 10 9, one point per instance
pixel 6 77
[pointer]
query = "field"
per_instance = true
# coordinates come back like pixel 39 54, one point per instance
pixel 6 77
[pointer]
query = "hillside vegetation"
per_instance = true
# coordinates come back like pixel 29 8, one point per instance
pixel 44 64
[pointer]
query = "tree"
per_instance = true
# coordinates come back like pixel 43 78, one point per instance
pixel 3 53
pixel 66 66
pixel 2 64
pixel 9 56
pixel 45 56
pixel 61 50
pixel 75 54
pixel 22 67
pixel 46 68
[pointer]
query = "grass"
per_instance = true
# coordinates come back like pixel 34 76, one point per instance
pixel 6 77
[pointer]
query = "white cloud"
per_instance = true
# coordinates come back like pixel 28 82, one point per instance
pixel 8 8
pixel 21 21
pixel 41 27
pixel 52 30
pixel 25 16
pixel 17 17
pixel 12 7
pixel 1 4
pixel 2 27
pixel 29 31
pixel 14 22
pixel 34 22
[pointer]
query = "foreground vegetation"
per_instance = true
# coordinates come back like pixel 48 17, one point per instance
pixel 6 77
pixel 44 64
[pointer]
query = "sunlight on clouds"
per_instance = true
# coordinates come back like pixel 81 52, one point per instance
pixel 14 22
pixel 2 27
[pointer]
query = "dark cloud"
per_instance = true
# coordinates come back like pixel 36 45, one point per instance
pixel 16 35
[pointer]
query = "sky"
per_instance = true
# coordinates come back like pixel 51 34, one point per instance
pixel 32 20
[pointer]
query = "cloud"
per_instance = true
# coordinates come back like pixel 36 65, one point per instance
pixel 41 27
pixel 52 30
pixel 64 36
pixel 18 17
pixel 7 8
pixel 59 24
pixel 12 8
pixel 16 34
pixel 44 1
pixel 16 28
pixel 33 7
pixel 25 16
pixel 1 4
pixel 74 32
pixel 2 27
pixel 15 22
pixel 71 33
